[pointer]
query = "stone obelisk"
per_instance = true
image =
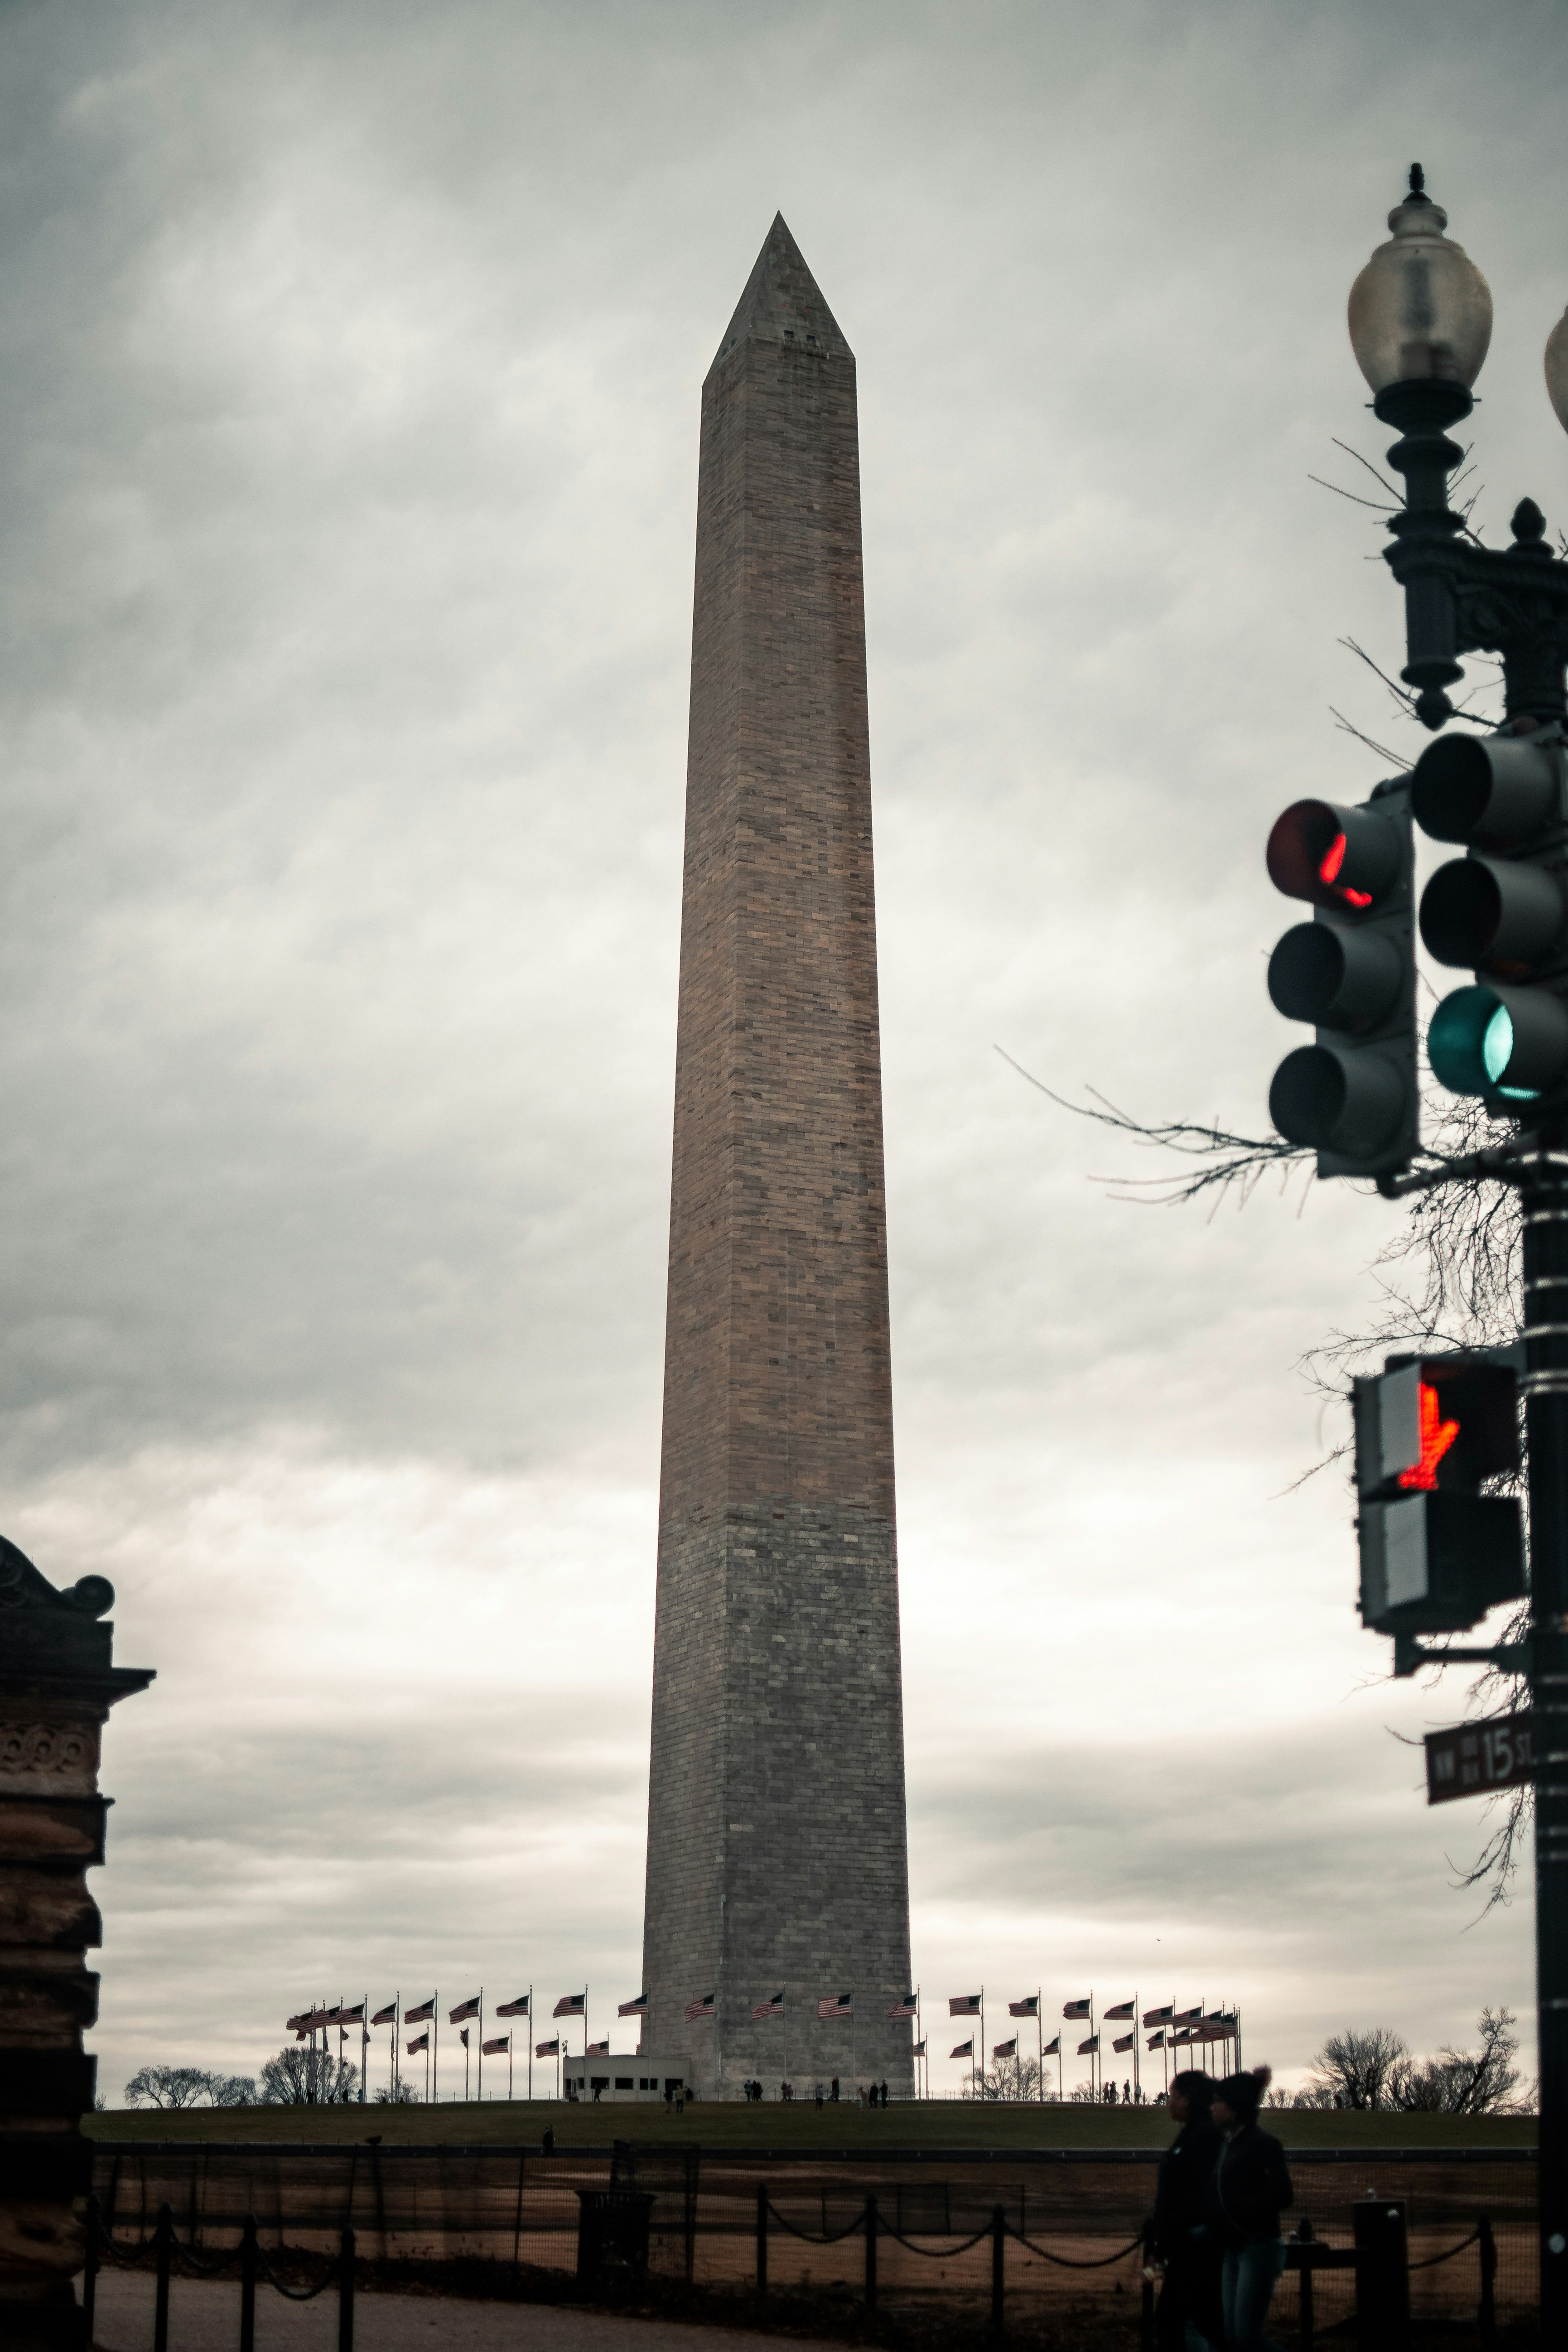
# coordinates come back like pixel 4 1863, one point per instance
pixel 777 1860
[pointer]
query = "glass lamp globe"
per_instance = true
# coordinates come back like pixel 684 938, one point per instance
pixel 1557 370
pixel 1420 310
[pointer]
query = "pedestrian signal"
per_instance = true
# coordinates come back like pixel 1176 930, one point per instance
pixel 1500 910
pixel 1350 1096
pixel 1435 1552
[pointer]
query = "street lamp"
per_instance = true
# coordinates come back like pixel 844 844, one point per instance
pixel 1420 321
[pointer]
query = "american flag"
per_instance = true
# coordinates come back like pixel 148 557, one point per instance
pixel 1188 2016
pixel 421 2041
pixel 548 2048
pixel 598 2049
pixel 570 2004
pixel 504 2046
pixel 1159 2016
pixel 464 2009
pixel 698 2009
pixel 1075 2008
pixel 908 2007
pixel 388 2016
pixel 837 2004
pixel 963 2004
pixel 1156 2042
pixel 774 2008
pixel 1054 2046
pixel 300 2024
pixel 1125 2043
pixel 964 2049
pixel 1085 2049
pixel 637 2008
pixel 1121 2012
pixel 426 2010
pixel 462 2037
pixel 1030 2008
pixel 919 2051
pixel 517 2008
pixel 1006 2049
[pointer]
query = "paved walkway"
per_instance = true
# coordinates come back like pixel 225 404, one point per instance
pixel 204 2317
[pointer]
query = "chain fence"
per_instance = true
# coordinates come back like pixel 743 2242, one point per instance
pixel 1424 2245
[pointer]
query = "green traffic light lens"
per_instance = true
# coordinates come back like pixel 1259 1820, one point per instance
pixel 1497 1043
pixel 1471 1045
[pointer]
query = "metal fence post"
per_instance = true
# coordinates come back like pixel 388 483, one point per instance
pixel 870 2254
pixel 998 2267
pixel 90 2276
pixel 762 2237
pixel 162 2237
pixel 247 2285
pixel 1485 2315
pixel 1381 2273
pixel 346 2293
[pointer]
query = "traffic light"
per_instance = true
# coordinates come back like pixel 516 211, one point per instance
pixel 1502 911
pixel 1436 1553
pixel 1352 1097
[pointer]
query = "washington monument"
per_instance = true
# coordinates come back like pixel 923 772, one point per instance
pixel 777 1859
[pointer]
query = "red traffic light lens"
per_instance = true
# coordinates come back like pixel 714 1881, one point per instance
pixel 1343 858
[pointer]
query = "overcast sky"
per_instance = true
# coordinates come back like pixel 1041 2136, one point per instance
pixel 351 359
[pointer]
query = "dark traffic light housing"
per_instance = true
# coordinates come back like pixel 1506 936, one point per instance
pixel 1436 1554
pixel 1351 1096
pixel 1502 911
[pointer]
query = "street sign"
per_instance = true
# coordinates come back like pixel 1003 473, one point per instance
pixel 1478 1758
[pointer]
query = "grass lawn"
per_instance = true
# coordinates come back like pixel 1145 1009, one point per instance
pixel 957 2124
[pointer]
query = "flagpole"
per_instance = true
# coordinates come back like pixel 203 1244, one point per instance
pixel 436 2047
pixel 1094 2061
pixel 481 2043
pixel 363 2048
pixel 531 2045
pixel 1040 2040
pixel 982 2043
pixel 1137 2078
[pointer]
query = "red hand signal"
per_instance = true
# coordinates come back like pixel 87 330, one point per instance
pixel 1436 1436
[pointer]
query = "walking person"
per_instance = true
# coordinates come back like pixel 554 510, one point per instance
pixel 1248 2188
pixel 1175 2234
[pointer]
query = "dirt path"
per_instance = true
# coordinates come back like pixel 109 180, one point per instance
pixel 204 2317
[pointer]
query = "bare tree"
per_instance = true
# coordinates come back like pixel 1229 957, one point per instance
pixel 1482 2082
pixel 188 2086
pixel 1356 2066
pixel 300 2076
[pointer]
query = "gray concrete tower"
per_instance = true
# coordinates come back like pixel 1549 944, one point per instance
pixel 777 1852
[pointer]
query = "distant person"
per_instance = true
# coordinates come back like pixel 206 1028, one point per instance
pixel 833 2094
pixel 884 2093
pixel 1175 2235
pixel 1248 2188
pixel 786 2091
pixel 547 2143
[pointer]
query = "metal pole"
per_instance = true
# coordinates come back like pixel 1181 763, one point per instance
pixel 346 2293
pixel 998 2261
pixel 530 2044
pixel 363 2048
pixel 161 2236
pixel 90 2276
pixel 481 2088
pixel 1544 1201
pixel 870 2254
pixel 247 2285
pixel 1040 2039
pixel 435 2046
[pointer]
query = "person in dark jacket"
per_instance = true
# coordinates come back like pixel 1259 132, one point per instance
pixel 1175 2234
pixel 1248 2189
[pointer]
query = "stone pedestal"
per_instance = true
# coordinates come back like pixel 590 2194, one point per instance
pixel 57 1683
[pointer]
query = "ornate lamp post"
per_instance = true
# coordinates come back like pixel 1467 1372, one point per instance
pixel 1420 321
